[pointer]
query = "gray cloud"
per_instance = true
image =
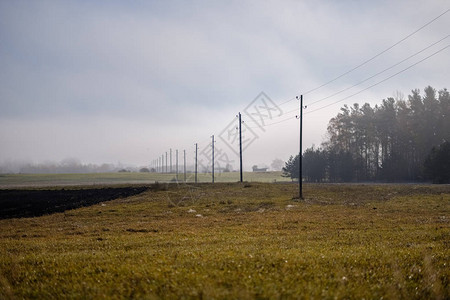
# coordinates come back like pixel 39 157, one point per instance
pixel 112 73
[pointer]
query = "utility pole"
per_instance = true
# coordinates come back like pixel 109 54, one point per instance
pixel 184 155
pixel 240 147
pixel 170 160
pixel 162 163
pixel 176 165
pixel 196 150
pixel 166 162
pixel 212 158
pixel 300 179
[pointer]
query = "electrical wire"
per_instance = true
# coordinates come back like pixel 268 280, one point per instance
pixel 364 63
pixel 379 82
pixel 270 124
pixel 387 69
pixel 368 78
pixel 377 55
pixel 371 86
pixel 367 61
pixel 355 68
pixel 287 101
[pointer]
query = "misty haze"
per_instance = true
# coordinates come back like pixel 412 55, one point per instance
pixel 224 150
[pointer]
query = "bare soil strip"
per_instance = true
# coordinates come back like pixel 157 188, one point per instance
pixel 15 203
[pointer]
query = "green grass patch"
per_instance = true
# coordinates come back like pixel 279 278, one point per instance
pixel 236 241
pixel 37 180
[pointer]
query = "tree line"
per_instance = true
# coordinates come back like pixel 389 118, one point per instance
pixel 68 165
pixel 399 140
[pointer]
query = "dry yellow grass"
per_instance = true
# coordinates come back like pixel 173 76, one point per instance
pixel 237 241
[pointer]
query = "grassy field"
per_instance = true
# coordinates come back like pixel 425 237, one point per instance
pixel 36 180
pixel 236 241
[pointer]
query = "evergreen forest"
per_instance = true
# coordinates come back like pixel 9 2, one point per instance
pixel 399 140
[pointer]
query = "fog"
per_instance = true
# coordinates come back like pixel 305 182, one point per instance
pixel 118 84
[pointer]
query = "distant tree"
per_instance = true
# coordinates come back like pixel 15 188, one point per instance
pixel 70 165
pixel 277 164
pixel 291 168
pixel 314 164
pixel 388 142
pixel 437 164
pixel 340 166
pixel 394 168
pixel 444 101
pixel 144 170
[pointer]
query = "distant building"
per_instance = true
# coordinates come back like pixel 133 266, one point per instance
pixel 256 169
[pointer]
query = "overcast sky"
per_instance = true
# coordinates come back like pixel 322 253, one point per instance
pixel 125 81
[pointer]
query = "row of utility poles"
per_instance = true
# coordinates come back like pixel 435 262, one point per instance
pixel 160 167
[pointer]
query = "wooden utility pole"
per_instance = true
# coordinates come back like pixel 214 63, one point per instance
pixel 240 147
pixel 300 158
pixel 184 155
pixel 176 164
pixel 196 150
pixel 213 158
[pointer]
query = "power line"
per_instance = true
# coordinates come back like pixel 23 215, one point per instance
pixel 387 69
pixel 342 75
pixel 369 87
pixel 359 92
pixel 286 101
pixel 360 65
pixel 348 88
pixel 379 82
pixel 278 122
pixel 368 78
pixel 377 55
pixel 370 59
